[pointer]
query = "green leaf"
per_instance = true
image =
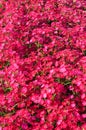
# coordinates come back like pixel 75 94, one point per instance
pixel 20 128
pixel 15 106
pixel 67 82
pixel 2 113
pixel 79 123
pixel 7 90
pixel 54 123
pixel 29 45
pixel 57 80
pixel 63 81
pixel 12 112
pixel 53 96
pixel 1 5
pixel 44 99
pixel 7 63
pixel 84 8
pixel 84 52
pixel 40 73
pixel 49 21
pixel 38 45
pixel 37 119
pixel 75 93
pixel 51 53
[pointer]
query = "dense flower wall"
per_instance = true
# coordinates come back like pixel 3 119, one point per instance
pixel 42 64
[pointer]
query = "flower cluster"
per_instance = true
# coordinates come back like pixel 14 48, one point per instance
pixel 43 65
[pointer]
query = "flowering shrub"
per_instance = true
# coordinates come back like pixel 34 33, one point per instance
pixel 43 65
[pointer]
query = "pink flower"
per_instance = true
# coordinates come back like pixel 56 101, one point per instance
pixel 43 60
pixel 0 128
pixel 84 103
pixel 84 115
pixel 59 122
pixel 62 69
